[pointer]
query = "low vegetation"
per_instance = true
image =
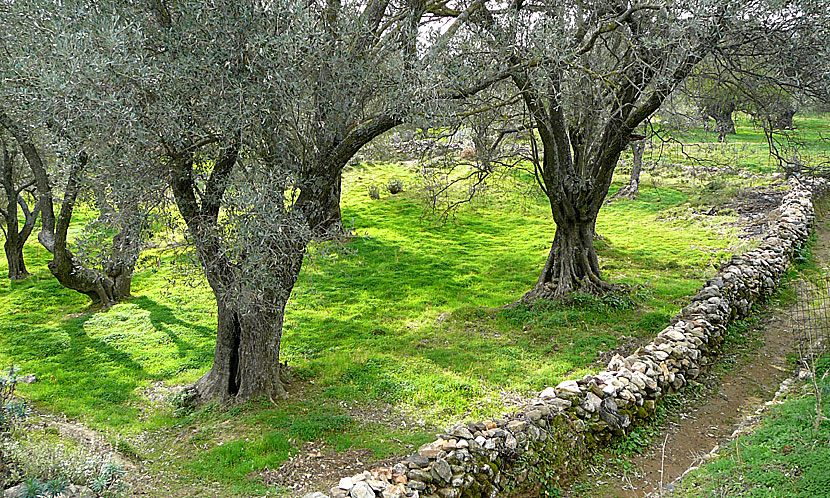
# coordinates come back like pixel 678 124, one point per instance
pixel 418 338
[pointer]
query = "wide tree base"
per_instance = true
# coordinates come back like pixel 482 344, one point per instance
pixel 216 385
pixel 630 191
pixel 552 291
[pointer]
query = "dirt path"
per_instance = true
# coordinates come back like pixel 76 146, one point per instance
pixel 712 419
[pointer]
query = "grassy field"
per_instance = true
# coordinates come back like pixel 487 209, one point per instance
pixel 397 332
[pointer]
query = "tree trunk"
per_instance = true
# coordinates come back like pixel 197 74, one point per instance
pixel 320 203
pixel 632 189
pixel 249 324
pixel 783 120
pixel 722 114
pixel 15 236
pixel 66 268
pixel 572 263
pixel 14 256
pixel 126 248
pixel 13 245
pixel 246 361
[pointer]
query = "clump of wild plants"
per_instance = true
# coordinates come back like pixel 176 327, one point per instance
pixel 47 460
pixel 110 482
pixel 395 186
pixel 35 488
pixel 47 468
pixel 12 411
pixel 184 401
pixel 374 192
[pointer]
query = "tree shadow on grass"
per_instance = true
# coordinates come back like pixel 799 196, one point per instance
pixel 163 317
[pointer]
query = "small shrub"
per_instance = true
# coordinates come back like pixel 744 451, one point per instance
pixel 395 186
pixel 47 460
pixel 184 402
pixel 8 383
pixel 109 482
pixel 374 192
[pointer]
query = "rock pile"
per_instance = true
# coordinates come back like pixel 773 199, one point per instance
pixel 499 457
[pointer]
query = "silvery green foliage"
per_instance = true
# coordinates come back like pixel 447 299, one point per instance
pixel 143 84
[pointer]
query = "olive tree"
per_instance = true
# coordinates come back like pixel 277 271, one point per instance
pixel 249 110
pixel 17 186
pixel 590 74
pixel 47 109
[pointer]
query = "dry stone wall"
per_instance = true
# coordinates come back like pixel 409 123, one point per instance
pixel 539 444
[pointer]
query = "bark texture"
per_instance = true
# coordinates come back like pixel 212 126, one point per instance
pixel 320 202
pixel 246 362
pixel 249 329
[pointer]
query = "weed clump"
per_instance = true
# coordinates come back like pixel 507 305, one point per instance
pixel 395 186
pixel 12 411
pixel 184 402
pixel 374 192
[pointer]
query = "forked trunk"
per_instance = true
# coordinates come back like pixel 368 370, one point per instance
pixel 246 362
pixel 67 269
pixel 572 263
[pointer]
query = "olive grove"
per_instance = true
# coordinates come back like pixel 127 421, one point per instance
pixel 244 113
pixel 249 111
pixel 590 73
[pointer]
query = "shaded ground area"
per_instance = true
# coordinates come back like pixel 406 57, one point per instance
pixel 721 405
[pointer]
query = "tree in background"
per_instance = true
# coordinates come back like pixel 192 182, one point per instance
pixel 17 187
pixel 589 75
pixel 69 151
pixel 638 147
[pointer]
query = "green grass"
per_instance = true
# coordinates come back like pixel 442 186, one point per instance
pixel 783 458
pixel 406 318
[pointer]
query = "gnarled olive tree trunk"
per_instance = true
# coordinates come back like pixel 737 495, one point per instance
pixel 246 362
pixel 572 263
pixel 67 269
pixel 16 236
pixel 578 161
